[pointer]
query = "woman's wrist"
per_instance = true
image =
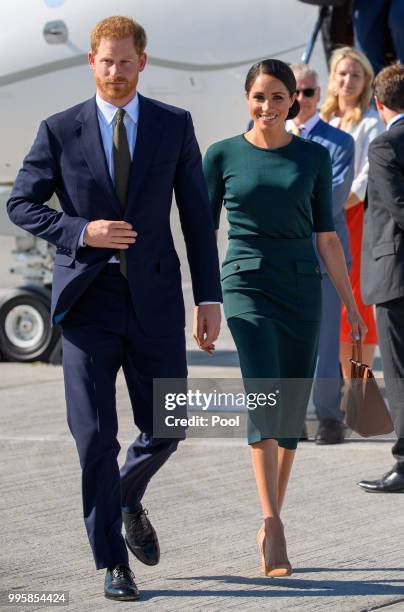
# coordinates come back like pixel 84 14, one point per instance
pixel 351 309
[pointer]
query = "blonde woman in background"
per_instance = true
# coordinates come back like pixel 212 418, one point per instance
pixel 347 107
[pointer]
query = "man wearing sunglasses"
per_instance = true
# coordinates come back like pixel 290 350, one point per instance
pixel 307 124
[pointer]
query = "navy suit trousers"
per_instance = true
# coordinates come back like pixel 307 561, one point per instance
pixel 99 335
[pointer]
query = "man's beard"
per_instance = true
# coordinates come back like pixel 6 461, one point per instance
pixel 116 93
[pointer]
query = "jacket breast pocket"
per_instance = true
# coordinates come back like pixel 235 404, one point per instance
pixel 308 285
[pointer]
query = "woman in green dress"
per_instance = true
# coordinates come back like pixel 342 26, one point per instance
pixel 276 188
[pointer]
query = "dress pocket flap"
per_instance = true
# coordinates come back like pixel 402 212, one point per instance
pixel 307 266
pixel 241 265
pixel 385 248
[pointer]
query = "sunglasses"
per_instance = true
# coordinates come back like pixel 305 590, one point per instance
pixel 308 92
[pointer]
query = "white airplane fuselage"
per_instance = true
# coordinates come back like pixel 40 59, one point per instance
pixel 199 54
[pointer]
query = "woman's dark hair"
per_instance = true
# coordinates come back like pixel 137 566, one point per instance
pixel 280 71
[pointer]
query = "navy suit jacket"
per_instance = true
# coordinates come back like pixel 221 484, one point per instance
pixel 67 158
pixel 341 147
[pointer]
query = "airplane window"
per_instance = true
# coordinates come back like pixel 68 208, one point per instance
pixel 55 32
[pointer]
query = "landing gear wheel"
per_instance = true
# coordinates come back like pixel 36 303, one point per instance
pixel 25 328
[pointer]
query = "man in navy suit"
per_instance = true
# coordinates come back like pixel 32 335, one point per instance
pixel 114 162
pixel 327 386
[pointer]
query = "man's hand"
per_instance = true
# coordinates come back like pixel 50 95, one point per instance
pixel 109 234
pixel 206 326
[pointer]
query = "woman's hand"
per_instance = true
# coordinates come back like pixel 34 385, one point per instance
pixel 206 326
pixel 358 326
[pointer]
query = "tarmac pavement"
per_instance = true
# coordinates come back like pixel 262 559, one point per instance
pixel 346 545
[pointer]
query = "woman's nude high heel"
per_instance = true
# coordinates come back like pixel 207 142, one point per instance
pixel 273 571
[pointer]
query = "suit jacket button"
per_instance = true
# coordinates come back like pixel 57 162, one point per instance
pixel 236 266
pixel 318 269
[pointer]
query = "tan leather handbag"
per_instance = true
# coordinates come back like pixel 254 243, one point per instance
pixel 363 403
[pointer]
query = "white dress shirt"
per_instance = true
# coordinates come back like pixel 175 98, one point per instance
pixel 363 133
pixel 106 118
pixel 306 127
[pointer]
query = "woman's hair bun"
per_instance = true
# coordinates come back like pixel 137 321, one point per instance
pixel 294 110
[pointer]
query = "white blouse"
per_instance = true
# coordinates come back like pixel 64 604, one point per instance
pixel 363 133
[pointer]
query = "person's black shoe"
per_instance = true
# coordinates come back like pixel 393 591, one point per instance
pixel 141 537
pixel 330 432
pixel 392 482
pixel 120 584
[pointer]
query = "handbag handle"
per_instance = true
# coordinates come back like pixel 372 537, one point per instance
pixel 358 369
pixel 357 351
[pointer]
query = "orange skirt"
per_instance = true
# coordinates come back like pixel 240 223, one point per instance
pixel 354 218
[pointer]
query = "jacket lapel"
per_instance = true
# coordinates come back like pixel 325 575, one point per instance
pixel 147 139
pixel 93 150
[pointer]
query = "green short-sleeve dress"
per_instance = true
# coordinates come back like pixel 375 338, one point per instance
pixel 271 280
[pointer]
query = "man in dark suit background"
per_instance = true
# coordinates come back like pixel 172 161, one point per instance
pixel 382 270
pixel 113 162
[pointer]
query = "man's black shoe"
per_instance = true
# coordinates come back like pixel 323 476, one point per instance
pixel 141 537
pixel 392 482
pixel 120 584
pixel 330 432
